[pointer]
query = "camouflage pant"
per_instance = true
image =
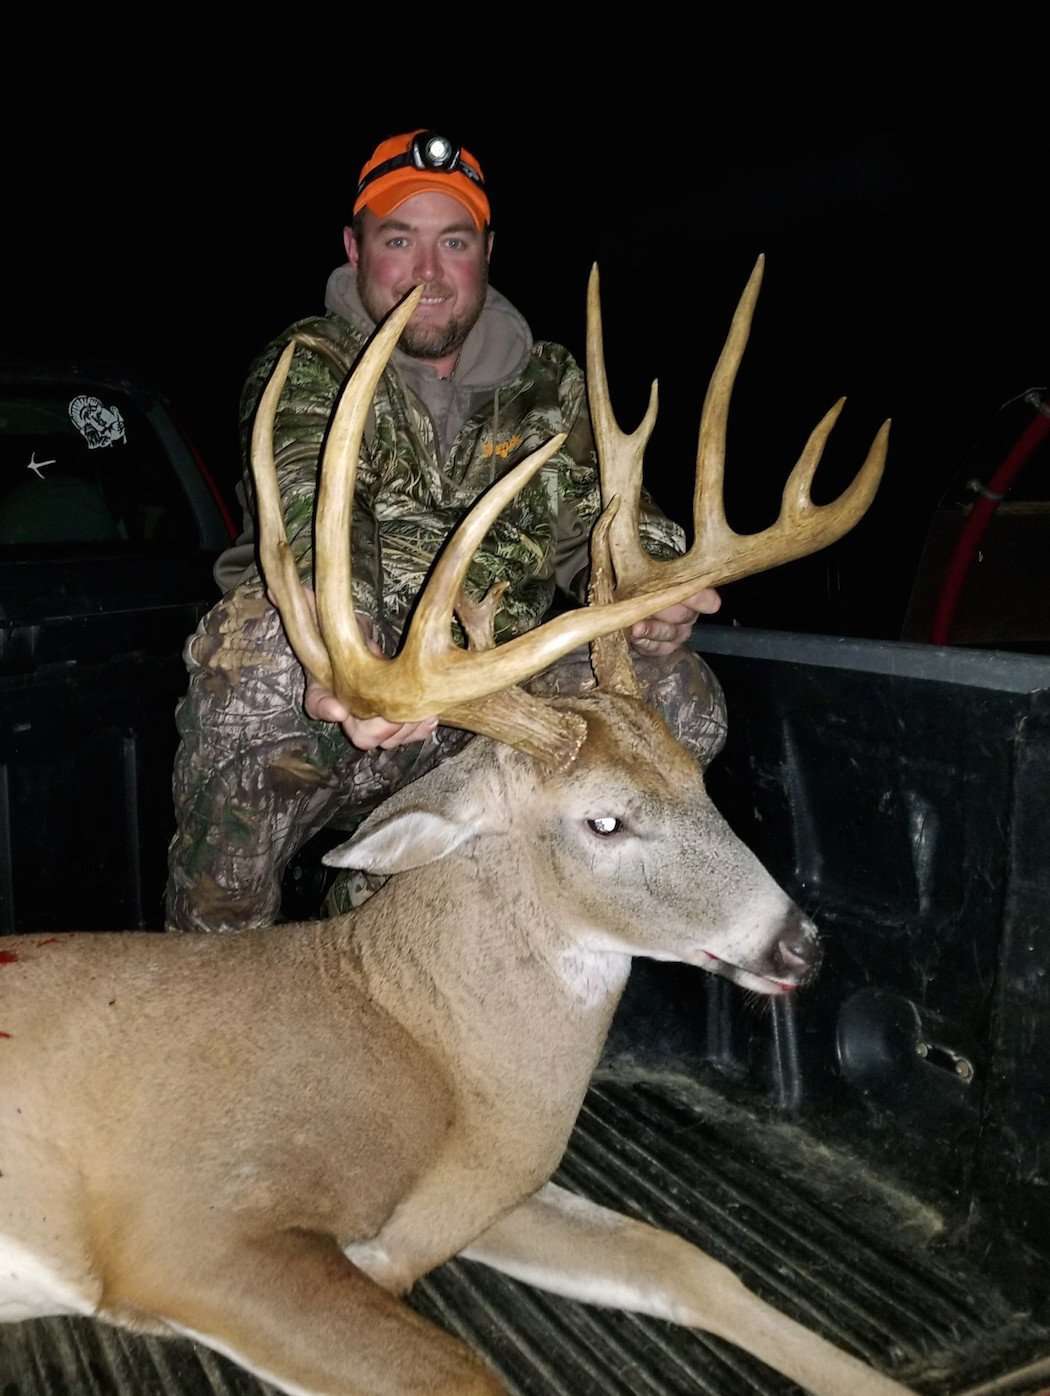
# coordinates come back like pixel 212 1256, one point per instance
pixel 255 777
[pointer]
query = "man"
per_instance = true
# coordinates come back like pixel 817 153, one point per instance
pixel 265 762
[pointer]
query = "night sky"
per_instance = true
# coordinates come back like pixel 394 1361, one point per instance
pixel 905 245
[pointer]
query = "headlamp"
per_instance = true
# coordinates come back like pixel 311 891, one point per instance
pixel 429 151
pixel 433 152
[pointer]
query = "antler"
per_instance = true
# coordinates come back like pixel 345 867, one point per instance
pixel 718 555
pixel 327 640
pixel 475 688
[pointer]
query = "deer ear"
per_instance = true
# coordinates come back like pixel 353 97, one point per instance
pixel 408 839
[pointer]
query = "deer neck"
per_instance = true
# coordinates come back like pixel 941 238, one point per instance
pixel 505 994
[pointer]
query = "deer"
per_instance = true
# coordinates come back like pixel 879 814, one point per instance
pixel 261 1141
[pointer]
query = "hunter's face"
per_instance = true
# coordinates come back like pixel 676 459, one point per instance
pixel 430 240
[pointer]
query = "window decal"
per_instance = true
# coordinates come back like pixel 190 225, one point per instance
pixel 98 425
pixel 37 466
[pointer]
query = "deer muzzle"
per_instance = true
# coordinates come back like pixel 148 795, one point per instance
pixel 797 953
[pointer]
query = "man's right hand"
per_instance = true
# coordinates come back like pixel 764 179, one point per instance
pixel 365 733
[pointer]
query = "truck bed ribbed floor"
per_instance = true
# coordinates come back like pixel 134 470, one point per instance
pixel 810 1230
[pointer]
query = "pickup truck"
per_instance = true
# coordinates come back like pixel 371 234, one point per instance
pixel 870 1154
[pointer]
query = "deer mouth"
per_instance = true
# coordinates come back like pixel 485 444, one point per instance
pixel 747 978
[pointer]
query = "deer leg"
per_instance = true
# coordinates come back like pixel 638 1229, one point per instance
pixel 291 1309
pixel 568 1245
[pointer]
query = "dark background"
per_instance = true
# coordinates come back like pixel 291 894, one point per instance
pixel 176 226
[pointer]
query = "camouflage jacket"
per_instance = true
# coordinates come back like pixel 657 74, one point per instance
pixel 413 487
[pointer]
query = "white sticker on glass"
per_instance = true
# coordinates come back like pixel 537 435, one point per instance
pixel 37 466
pixel 98 425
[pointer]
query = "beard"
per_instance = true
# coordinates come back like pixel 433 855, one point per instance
pixel 429 341
pixel 436 341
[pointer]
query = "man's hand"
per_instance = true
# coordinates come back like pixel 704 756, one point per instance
pixel 364 732
pixel 666 630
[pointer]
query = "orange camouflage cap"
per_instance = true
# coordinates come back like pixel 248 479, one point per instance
pixel 422 162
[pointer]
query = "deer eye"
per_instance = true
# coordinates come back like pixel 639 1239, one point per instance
pixel 605 826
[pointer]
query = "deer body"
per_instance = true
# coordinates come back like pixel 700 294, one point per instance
pixel 450 1025
pixel 379 1091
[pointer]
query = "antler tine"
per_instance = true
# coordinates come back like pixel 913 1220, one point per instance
pixel 709 520
pixel 478 618
pixel 610 654
pixel 796 502
pixel 278 564
pixel 620 455
pixel 430 637
pixel 333 564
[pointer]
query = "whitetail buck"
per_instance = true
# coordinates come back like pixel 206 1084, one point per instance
pixel 263 1140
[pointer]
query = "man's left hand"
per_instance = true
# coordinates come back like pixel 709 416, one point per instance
pixel 665 631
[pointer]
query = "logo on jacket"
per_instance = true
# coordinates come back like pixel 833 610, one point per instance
pixel 501 448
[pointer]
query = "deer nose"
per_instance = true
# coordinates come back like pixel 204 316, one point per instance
pixel 798 954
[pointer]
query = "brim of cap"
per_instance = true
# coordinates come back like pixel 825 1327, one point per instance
pixel 390 191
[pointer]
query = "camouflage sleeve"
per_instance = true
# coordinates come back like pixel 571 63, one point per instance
pixel 318 370
pixel 580 494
